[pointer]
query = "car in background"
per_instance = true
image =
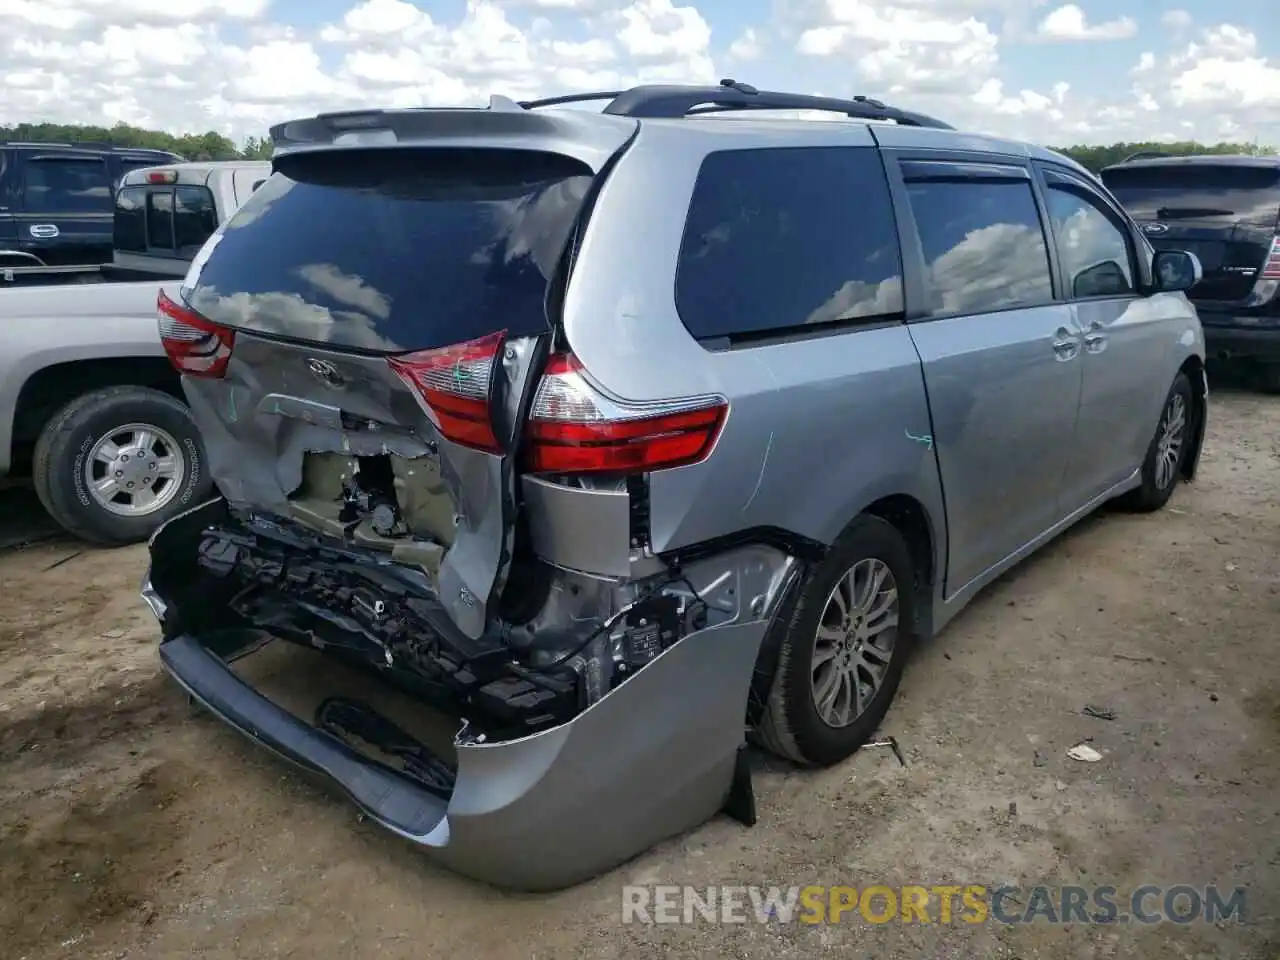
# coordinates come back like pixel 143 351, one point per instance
pixel 163 215
pixel 90 410
pixel 612 436
pixel 56 200
pixel 1225 210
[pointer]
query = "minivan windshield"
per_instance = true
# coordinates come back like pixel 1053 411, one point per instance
pixel 395 250
pixel 1197 191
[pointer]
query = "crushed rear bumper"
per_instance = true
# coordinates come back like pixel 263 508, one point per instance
pixel 657 756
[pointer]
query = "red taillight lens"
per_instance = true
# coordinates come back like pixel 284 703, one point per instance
pixel 196 347
pixel 1271 267
pixel 454 384
pixel 573 428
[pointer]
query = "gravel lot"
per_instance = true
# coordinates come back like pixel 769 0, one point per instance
pixel 131 825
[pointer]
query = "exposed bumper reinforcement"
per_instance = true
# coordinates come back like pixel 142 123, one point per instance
pixel 655 757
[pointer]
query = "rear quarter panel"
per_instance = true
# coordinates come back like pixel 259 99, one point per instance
pixel 43 326
pixel 818 429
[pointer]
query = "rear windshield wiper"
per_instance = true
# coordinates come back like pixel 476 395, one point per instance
pixel 1179 213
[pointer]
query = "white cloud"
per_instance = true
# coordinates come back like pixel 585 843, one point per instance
pixel 747 47
pixel 904 47
pixel 237 66
pixel 1069 23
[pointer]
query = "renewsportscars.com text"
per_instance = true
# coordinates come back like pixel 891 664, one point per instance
pixel 939 903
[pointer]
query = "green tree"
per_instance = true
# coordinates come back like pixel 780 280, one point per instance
pixel 1095 157
pixel 215 146
pixel 256 148
pixel 192 146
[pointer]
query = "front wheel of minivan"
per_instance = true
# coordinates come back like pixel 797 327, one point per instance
pixel 1162 466
pixel 843 647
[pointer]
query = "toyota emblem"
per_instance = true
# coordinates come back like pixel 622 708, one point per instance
pixel 325 372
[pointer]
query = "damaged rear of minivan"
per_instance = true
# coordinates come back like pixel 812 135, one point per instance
pixel 407 451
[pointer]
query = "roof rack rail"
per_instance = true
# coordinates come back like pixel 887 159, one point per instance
pixel 93 145
pixel 570 98
pixel 1146 155
pixel 674 100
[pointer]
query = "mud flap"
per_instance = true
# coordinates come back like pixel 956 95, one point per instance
pixel 740 805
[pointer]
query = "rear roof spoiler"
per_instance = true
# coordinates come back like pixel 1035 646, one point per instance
pixel 590 136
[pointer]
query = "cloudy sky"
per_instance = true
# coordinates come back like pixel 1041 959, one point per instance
pixel 1089 71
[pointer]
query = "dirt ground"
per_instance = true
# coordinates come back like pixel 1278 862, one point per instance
pixel 132 825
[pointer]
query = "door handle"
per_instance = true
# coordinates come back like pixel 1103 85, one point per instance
pixel 1065 345
pixel 43 231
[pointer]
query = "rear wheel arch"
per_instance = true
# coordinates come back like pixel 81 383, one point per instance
pixel 909 517
pixel 784 720
pixel 1194 370
pixel 48 389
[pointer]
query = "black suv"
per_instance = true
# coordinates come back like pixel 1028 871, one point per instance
pixel 1225 210
pixel 56 204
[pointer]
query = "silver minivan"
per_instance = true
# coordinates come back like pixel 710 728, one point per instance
pixel 625 438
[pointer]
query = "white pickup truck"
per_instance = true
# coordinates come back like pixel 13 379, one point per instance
pixel 90 408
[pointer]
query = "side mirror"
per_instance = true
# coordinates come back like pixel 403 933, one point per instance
pixel 1175 270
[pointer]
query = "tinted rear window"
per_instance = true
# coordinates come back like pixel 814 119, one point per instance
pixel 130 225
pixel 164 221
pixel 784 238
pixel 1197 192
pixel 396 250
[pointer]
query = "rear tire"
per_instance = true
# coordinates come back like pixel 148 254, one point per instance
pixel 67 460
pixel 804 720
pixel 1162 466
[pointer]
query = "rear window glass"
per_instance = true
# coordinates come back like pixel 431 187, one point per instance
pixel 1197 192
pixel 194 219
pixel 164 221
pixel 160 219
pixel 784 238
pixel 131 220
pixel 395 250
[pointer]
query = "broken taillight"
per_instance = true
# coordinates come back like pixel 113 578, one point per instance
pixel 195 346
pixel 574 428
pixel 454 384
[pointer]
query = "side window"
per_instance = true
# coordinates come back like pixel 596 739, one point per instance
pixel 782 238
pixel 66 185
pixel 984 248
pixel 1092 247
pixel 194 219
pixel 160 220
